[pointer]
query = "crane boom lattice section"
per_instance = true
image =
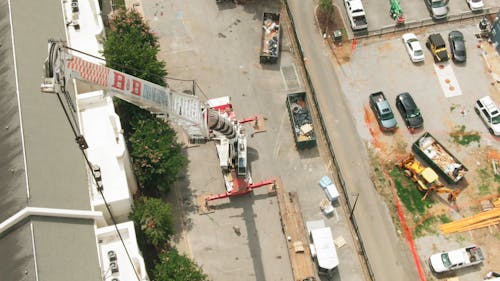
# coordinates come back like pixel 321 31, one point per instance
pixel 186 111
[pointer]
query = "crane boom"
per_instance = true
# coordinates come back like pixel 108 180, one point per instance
pixel 187 111
pixel 210 120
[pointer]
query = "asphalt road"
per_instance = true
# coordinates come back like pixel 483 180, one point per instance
pixel 388 255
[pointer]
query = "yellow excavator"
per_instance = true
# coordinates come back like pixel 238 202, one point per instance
pixel 425 178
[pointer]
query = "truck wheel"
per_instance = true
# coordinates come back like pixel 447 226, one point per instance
pixel 491 131
pixel 476 110
pixel 428 45
pixel 408 173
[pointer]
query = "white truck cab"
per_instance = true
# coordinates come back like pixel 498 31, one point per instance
pixel 356 14
pixel 489 112
pixel 456 259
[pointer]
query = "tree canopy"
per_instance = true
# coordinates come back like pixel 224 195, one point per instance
pixel 131 47
pixel 154 218
pixel 177 267
pixel 325 5
pixel 158 158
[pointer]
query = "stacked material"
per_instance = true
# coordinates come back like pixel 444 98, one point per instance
pixel 483 219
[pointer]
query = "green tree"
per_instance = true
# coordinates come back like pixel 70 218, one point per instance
pixel 326 8
pixel 158 158
pixel 153 218
pixel 325 5
pixel 177 267
pixel 131 47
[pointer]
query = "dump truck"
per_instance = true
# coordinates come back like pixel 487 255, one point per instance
pixel 439 158
pixel 456 259
pixel 301 120
pixel 270 45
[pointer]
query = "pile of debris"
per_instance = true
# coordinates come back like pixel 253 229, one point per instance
pixel 303 120
pixel 272 30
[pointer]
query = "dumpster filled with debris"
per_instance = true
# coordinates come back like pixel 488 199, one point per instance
pixel 301 120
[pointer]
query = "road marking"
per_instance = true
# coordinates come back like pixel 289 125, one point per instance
pixel 447 80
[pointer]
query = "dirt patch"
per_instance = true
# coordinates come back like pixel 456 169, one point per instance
pixel 328 23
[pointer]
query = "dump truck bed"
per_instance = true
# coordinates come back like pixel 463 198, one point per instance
pixel 301 120
pixel 439 158
pixel 270 43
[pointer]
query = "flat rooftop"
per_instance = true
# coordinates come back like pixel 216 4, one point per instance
pixel 42 166
pixel 102 130
pixel 112 251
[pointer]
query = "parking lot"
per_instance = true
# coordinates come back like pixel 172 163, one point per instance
pixel 445 94
pixel 223 57
pixel 415 12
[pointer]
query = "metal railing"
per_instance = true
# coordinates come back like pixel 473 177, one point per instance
pixel 409 25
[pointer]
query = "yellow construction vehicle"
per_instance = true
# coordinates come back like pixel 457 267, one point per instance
pixel 425 178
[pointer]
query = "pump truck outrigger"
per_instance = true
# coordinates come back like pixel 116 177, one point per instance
pixel 212 120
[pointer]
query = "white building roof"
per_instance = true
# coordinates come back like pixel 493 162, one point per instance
pixel 102 130
pixel 91 28
pixel 110 245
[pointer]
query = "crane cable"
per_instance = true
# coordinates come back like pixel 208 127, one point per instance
pixel 99 188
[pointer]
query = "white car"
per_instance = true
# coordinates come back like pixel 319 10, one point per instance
pixel 413 47
pixel 475 5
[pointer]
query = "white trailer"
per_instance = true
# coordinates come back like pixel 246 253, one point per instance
pixel 322 247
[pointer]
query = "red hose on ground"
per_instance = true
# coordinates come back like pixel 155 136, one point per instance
pixel 408 236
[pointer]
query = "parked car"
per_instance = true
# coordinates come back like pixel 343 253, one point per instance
pixel 356 14
pixel 475 5
pixel 409 111
pixel 488 111
pixel 457 46
pixel 437 8
pixel 413 47
pixel 383 112
pixel 437 46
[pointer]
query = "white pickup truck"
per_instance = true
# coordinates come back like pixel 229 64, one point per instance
pixel 356 14
pixel 455 259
